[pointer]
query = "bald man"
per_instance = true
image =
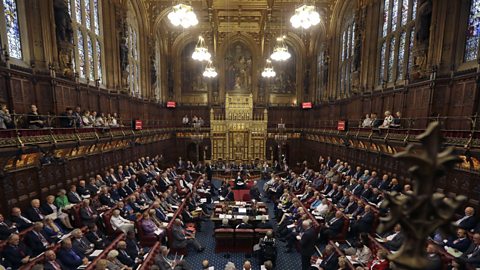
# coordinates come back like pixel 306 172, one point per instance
pixel 468 221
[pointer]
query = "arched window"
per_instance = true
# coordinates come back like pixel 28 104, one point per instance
pixel 473 32
pixel 347 42
pixel 88 37
pixel 12 28
pixel 133 67
pixel 396 39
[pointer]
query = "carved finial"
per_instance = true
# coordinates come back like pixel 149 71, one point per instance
pixel 422 211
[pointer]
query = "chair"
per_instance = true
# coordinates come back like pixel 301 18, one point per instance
pixel 223 240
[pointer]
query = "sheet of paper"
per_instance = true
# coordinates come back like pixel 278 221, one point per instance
pixel 96 252
pixel 242 210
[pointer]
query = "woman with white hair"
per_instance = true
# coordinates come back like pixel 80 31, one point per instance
pixel 388 120
pixel 230 266
pixel 120 223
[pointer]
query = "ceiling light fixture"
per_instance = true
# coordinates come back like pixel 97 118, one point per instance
pixel 268 71
pixel 210 71
pixel 201 51
pixel 305 16
pixel 183 15
pixel 280 52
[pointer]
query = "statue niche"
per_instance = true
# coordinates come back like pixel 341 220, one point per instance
pixel 192 71
pixel 422 35
pixel 64 34
pixel 238 68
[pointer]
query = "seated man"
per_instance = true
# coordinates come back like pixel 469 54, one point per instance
pixel 332 228
pixel 69 257
pixel 472 255
pixel 123 256
pixel 37 240
pixel 15 253
pixel 80 244
pixel 165 263
pixel 51 262
pixel 244 224
pixel 97 237
pixel 182 239
pixel 461 243
pixel 330 259
pixel 394 240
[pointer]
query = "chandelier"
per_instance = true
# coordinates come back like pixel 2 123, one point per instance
pixel 210 71
pixel 201 51
pixel 268 71
pixel 183 15
pixel 305 16
pixel 280 52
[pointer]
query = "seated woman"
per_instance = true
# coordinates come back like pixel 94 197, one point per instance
pixel 387 121
pixel 397 121
pixel 149 227
pixel 113 263
pixel 50 208
pixel 52 230
pixel 380 261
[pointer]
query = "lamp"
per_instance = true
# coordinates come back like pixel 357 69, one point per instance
pixel 280 51
pixel 305 16
pixel 183 15
pixel 268 71
pixel 201 51
pixel 210 71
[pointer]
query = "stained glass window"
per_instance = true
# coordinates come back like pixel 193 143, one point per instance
pixel 391 60
pixel 473 32
pixel 81 55
pixel 410 47
pixel 89 48
pixel 320 73
pixel 382 62
pixel 394 14
pixel 346 56
pixel 398 23
pixel 12 27
pixel 401 56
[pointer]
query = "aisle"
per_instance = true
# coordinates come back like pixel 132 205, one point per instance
pixel 285 261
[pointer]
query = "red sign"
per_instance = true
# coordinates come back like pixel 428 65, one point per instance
pixel 342 125
pixel 306 105
pixel 171 104
pixel 138 124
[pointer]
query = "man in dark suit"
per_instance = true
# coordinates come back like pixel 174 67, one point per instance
pixel 472 255
pixel 97 237
pixel 133 249
pixel 468 221
pixel 330 261
pixel 395 240
pixel 254 192
pixel 244 224
pixel 332 228
pixel 15 254
pixel 69 257
pixel 51 262
pixel 91 186
pixel 123 256
pixel 6 228
pixel 21 222
pixel 364 222
pixel 433 258
pixel 73 196
pixel 105 198
pixel 80 244
pixel 461 243
pixel 307 243
pixel 82 189
pixel 37 240
pixel 33 212
pixel 87 213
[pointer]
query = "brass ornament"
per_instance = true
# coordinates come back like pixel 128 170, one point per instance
pixel 422 211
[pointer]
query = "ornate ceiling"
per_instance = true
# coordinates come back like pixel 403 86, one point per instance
pixel 261 19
